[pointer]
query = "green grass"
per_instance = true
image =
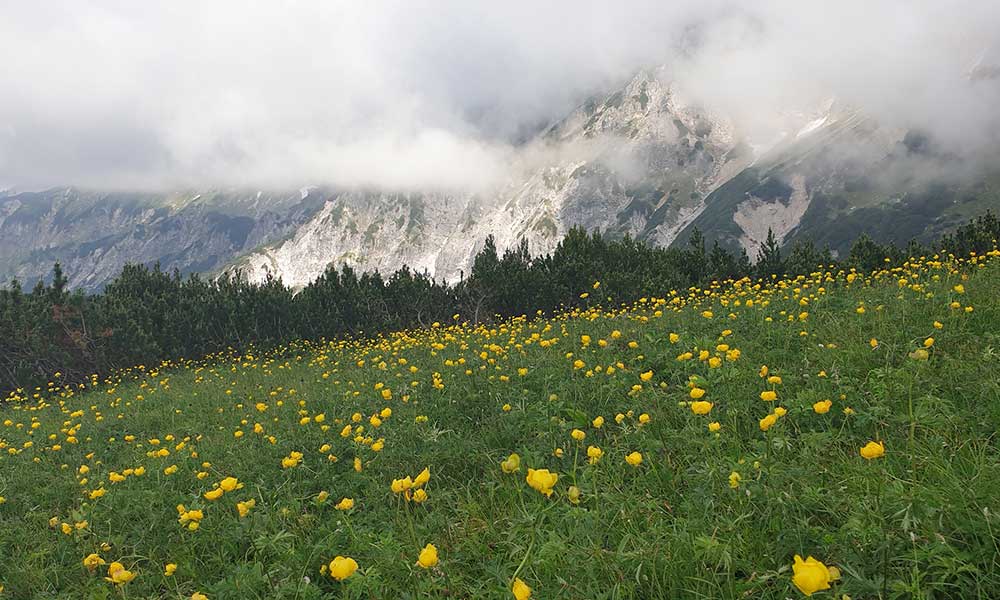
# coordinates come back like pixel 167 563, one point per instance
pixel 921 522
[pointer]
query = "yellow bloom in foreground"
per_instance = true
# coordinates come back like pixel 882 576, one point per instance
pixel 198 596
pixel 873 343
pixel 873 450
pixel 634 459
pixel 594 454
pixel 768 421
pixel 342 567
pixel 780 411
pixel 169 570
pixel 578 435
pixel 92 561
pixel 345 504
pixel 646 376
pixel 696 393
pixel 244 507
pixel 422 478
pixel 512 464
pixel 520 589
pixel 598 422
pixel 419 496
pixel 768 396
pixel 701 407
pixel 810 575
pixel 213 495
pixel 428 556
pixel 822 407
pixel 542 480
pixel 118 574
pixel 714 426
pixel 229 484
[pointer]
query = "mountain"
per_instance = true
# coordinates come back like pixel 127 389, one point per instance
pixel 643 161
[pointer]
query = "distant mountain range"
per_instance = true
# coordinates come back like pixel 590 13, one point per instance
pixel 642 161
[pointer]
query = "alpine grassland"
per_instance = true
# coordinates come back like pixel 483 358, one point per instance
pixel 831 434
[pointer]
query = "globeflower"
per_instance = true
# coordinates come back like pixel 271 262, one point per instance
pixel 428 557
pixel 345 504
pixel 512 464
pixel 574 493
pixel 594 454
pixel 873 450
pixel 118 574
pixel 542 480
pixel 701 407
pixel 634 459
pixel 341 567
pixel 768 421
pixel 810 575
pixel 768 395
pixel 822 407
pixel 229 484
pixel 213 495
pixel 422 478
pixel 578 435
pixel 696 393
pixel 169 570
pixel 520 589
pixel 92 561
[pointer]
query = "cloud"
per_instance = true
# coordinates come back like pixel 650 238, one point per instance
pixel 436 95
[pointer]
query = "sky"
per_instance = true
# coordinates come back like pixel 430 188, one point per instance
pixel 159 95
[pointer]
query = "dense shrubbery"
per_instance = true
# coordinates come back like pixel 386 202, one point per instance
pixel 147 315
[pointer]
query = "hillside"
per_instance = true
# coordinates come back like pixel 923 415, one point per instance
pixel 692 444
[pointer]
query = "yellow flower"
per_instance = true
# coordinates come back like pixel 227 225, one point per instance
pixel 520 589
pixel 594 454
pixel 542 480
pixel 928 342
pixel 646 376
pixel 322 496
pixel 341 567
pixel 697 393
pixel 419 496
pixel 574 493
pixel 919 354
pixel 92 561
pixel 643 419
pixel 244 507
pixel 118 574
pixel 506 407
pixel 768 396
pixel 169 570
pixel 810 575
pixel 345 504
pixel 213 495
pixel 873 343
pixel 512 464
pixel 701 407
pixel 634 459
pixel 401 485
pixel 768 421
pixel 822 407
pixel 735 479
pixel 873 450
pixel 598 422
pixel 198 596
pixel 959 289
pixel 422 478
pixel 578 435
pixel 229 484
pixel 428 557
pixel 714 426
pixel 780 411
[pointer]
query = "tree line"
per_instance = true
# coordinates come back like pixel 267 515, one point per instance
pixel 147 315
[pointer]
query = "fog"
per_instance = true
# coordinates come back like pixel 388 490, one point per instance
pixel 441 95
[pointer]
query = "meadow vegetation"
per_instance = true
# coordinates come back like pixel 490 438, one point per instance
pixel 832 434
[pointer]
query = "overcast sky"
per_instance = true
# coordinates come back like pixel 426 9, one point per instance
pixel 409 94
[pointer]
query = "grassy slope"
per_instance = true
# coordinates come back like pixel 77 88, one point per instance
pixel 923 516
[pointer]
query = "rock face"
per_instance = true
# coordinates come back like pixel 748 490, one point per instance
pixel 639 162
pixel 94 234
pixel 643 161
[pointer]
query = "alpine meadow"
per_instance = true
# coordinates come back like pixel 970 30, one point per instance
pixel 829 431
